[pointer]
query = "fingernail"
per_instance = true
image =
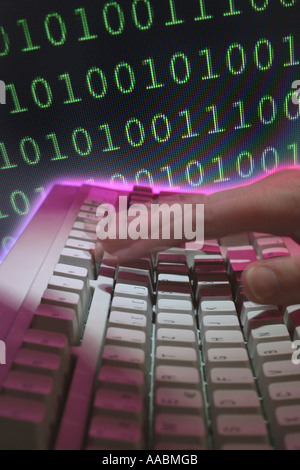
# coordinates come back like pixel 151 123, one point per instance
pixel 263 283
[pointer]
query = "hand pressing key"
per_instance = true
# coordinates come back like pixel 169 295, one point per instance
pixel 270 205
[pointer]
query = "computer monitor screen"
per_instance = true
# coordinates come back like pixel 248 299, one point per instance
pixel 178 94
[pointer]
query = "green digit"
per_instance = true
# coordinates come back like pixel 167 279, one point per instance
pixel 294 148
pixel 29 46
pixel 118 176
pixel 242 125
pixel 263 159
pixel 5 42
pixel 138 24
pixel 241 50
pixel 87 36
pixel 271 54
pixel 58 155
pixel 141 131
pixel 121 18
pixel 24 199
pixel 190 133
pixel 203 15
pixel 168 170
pixel 148 175
pixel 185 79
pixel 110 147
pixel 7 164
pixel 273 113
pixel 262 8
pixel 292 62
pixel 250 161
pixel 125 66
pixel 92 71
pixel 155 83
pixel 192 165
pixel 210 74
pixel 82 132
pixel 63 29
pixel 8 242
pixel 167 125
pixel 290 116
pixel 214 111
pixel 174 20
pixel 71 98
pixel 36 151
pixel 46 86
pixel 3 216
pixel 288 4
pixel 222 178
pixel 11 87
pixel 232 10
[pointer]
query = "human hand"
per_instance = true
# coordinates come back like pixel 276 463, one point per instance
pixel 270 205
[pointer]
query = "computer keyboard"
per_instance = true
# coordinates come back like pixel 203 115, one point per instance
pixel 159 353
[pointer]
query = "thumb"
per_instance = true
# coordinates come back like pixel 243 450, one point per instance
pixel 275 281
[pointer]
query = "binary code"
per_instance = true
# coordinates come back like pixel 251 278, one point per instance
pixel 191 94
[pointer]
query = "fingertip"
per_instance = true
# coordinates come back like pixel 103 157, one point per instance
pixel 261 284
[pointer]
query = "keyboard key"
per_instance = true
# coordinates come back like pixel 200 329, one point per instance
pixel 280 371
pixel 84 236
pixel 133 305
pixel 217 307
pixel 227 357
pixel 78 258
pixel 126 337
pixel 68 300
pixel 292 441
pixel 282 394
pixel 57 319
pixel 176 355
pixel 117 403
pixel 120 356
pixel 275 351
pixel 292 318
pixel 177 376
pixel 222 378
pixel 269 253
pixel 286 421
pixel 126 433
pixel 240 428
pixel 218 322
pixel 258 318
pixel 266 334
pixel 179 399
pixel 23 424
pixel 182 320
pixel 129 320
pixel 128 378
pixel 235 401
pixel 176 337
pixel 219 339
pixel 179 306
pixel 48 341
pixel 179 426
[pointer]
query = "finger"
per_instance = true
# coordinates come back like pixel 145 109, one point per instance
pixel 274 281
pixel 270 205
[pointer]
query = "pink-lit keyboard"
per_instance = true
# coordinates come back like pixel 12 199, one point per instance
pixel 161 353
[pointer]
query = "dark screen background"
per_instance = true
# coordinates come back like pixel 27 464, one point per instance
pixel 68 117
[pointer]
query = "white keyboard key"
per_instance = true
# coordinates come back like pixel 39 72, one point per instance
pixel 173 278
pixel 66 284
pixel 281 371
pixel 292 441
pixel 274 351
pixel 176 355
pixel 177 376
pixel 235 401
pixel 48 341
pixel 133 305
pixel 180 399
pixel 73 272
pixel 129 290
pixel 185 427
pixel 282 394
pixel 117 432
pixel 34 387
pixel 126 337
pixel 266 334
pixel 250 307
pixel 88 218
pixel 80 244
pixel 182 320
pixel 91 208
pixel 217 307
pixel 64 299
pixel 164 294
pixel 216 322
pixel 59 320
pixel 121 377
pixel 79 258
pixel 128 320
pixel 85 227
pixel 116 403
pixel 222 378
pixel 236 428
pixel 286 421
pixel 176 306
pixel 219 339
pixel 120 355
pixel 174 335
pixel 26 419
pixel 227 357
pixel 82 235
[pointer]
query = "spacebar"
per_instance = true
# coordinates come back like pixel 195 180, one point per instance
pixel 73 424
